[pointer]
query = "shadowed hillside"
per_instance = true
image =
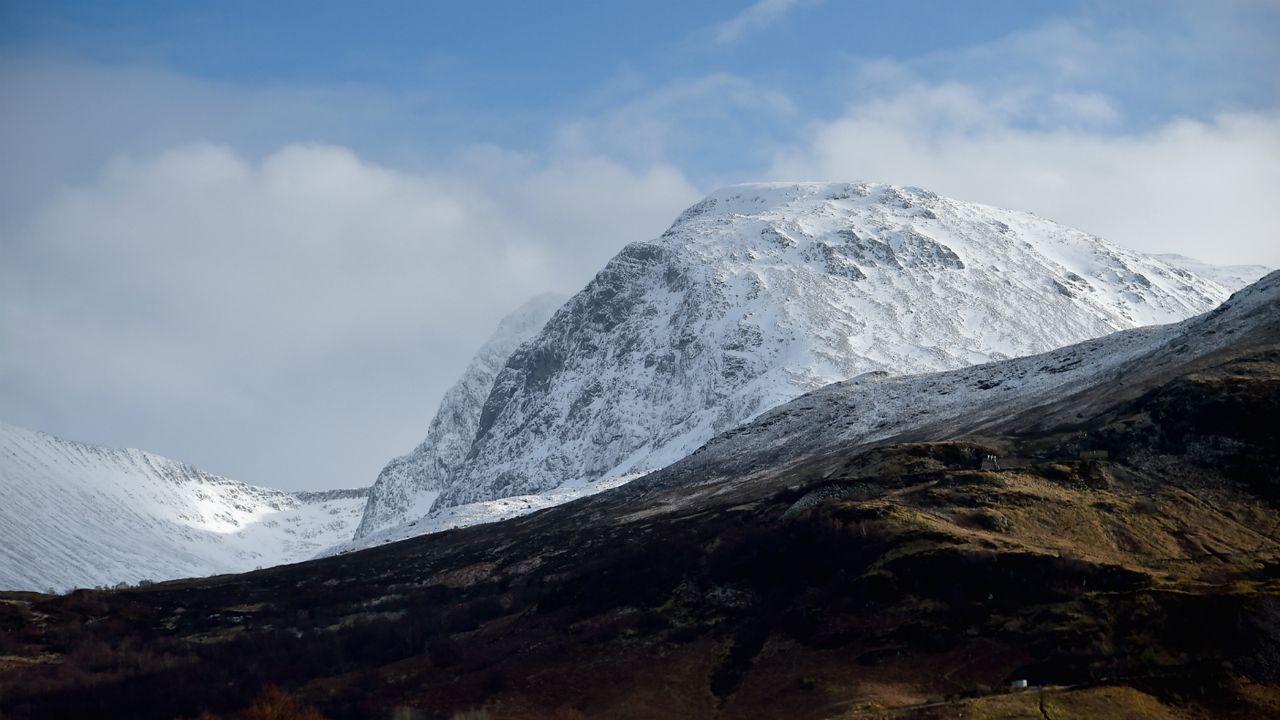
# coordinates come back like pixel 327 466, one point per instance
pixel 1120 554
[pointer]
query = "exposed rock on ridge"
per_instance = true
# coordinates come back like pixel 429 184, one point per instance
pixel 760 293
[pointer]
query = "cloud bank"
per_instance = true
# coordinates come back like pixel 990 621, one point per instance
pixel 1200 188
pixel 287 320
pixel 278 284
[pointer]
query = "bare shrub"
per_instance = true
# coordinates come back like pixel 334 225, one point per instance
pixel 276 704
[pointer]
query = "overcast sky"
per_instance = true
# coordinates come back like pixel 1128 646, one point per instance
pixel 265 241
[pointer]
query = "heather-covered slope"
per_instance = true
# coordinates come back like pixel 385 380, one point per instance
pixel 78 515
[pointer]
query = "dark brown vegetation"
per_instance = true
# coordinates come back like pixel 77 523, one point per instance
pixel 897 581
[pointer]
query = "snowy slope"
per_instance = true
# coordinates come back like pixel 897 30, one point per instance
pixel 408 486
pixel 1233 277
pixel 760 293
pixel 937 406
pixel 77 515
pixel 477 513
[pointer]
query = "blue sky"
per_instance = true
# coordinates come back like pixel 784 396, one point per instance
pixel 503 72
pixel 265 237
pixel 513 73
pixel 550 56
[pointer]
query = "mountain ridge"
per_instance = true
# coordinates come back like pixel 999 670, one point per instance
pixel 81 515
pixel 966 402
pixel 761 292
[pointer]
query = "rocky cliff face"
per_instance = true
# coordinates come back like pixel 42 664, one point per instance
pixel 760 293
pixel 409 484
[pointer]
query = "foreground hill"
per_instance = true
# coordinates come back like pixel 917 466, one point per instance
pixel 78 515
pixel 1120 555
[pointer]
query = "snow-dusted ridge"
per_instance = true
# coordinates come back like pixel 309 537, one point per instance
pixel 478 513
pixel 876 407
pixel 763 292
pixel 78 515
pixel 1232 277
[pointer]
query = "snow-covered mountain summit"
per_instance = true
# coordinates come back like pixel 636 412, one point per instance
pixel 762 292
pixel 77 515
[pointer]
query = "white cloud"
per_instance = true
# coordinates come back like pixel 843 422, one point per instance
pixel 687 118
pixel 309 297
pixel 755 17
pixel 1203 188
pixel 64 119
pixel 1159 130
pixel 250 303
